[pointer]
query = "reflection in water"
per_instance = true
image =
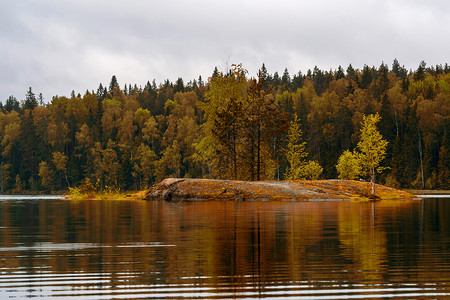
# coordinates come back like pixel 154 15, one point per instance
pixel 135 249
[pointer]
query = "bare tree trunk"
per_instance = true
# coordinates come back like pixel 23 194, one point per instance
pixel 258 158
pixel 1 177
pixel 372 179
pixel 67 180
pixel 252 159
pixel 234 159
pixel 421 159
pixel 396 121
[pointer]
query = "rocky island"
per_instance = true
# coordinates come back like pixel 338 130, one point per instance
pixel 184 189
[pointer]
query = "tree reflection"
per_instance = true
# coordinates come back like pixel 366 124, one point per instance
pixel 241 243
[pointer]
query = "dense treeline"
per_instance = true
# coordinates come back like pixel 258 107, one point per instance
pixel 232 126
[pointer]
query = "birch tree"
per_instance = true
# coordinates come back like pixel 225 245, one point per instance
pixel 372 147
pixel 349 166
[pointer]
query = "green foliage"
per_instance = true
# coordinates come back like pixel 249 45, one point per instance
pixel 371 151
pixel 85 190
pixel 392 182
pixel 295 152
pixel 144 165
pixel 312 170
pixel 242 122
pixel 170 163
pixel 349 166
pixel 45 174
pixel 372 148
pixel 371 145
pixel 234 126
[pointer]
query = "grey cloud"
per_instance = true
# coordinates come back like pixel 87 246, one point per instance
pixel 56 46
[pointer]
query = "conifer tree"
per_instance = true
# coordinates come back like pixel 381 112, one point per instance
pixel 420 72
pixel 340 73
pixel 113 83
pixel 12 104
pixel 286 79
pixel 219 147
pixel 296 154
pixel 30 100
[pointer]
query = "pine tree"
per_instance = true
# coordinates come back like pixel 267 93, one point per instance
pixel 264 74
pixel 340 73
pixel 286 80
pixel 101 92
pixel 319 80
pixel 223 112
pixel 276 80
pixel 263 123
pixel 296 154
pixel 396 68
pixel 297 81
pixel 215 73
pixel 113 83
pixel 41 99
pixel 12 104
pixel 179 86
pixel 351 75
pixel 382 81
pixel 30 100
pixel 420 72
pixel 366 78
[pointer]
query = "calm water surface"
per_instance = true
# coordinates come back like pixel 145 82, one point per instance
pixel 61 249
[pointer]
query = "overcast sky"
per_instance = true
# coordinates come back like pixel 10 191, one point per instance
pixel 58 46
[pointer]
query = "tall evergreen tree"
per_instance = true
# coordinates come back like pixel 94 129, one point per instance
pixel 340 73
pixel 286 79
pixel 215 73
pixel 12 104
pixel 366 77
pixel 420 72
pixel 319 80
pixel 113 83
pixel 297 81
pixel 179 86
pixel 351 75
pixel 101 92
pixel 30 100
pixel 41 99
pixel 396 68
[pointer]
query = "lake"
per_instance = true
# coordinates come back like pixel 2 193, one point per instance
pixel 61 249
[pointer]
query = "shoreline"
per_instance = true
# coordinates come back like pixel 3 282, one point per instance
pixel 428 192
pixel 126 195
pixel 184 189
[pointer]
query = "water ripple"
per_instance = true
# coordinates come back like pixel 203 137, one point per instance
pixel 124 286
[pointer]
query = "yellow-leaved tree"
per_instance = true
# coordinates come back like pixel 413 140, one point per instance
pixel 60 162
pixel 371 151
pixel 299 167
pixel 296 154
pixel 349 166
pixel 372 147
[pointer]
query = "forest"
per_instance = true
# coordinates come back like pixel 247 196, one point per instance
pixel 234 125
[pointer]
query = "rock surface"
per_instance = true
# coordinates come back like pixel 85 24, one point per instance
pixel 183 189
